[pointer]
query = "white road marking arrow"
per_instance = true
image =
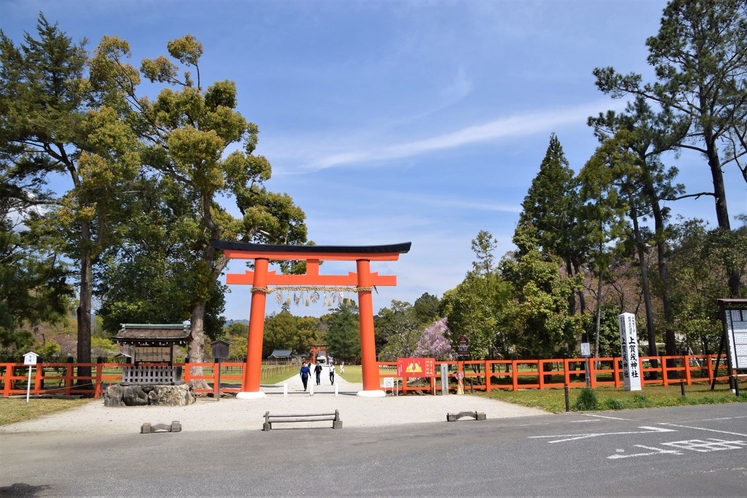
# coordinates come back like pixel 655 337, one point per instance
pixel 574 437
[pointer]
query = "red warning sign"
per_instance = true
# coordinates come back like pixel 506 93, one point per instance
pixel 416 367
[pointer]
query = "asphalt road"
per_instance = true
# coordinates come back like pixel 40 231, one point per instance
pixel 689 451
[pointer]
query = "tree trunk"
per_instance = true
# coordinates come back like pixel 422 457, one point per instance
pixel 571 296
pixel 581 296
pixel 644 284
pixel 197 346
pixel 669 339
pixel 84 307
pixel 719 194
pixel 598 324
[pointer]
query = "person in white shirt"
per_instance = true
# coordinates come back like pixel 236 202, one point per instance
pixel 331 373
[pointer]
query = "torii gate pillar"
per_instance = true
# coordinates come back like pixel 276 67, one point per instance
pixel 253 368
pixel 369 365
pixel 260 278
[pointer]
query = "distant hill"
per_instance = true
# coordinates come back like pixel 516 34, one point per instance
pixel 230 322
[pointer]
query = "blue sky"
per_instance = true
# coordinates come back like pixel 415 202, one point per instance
pixel 396 121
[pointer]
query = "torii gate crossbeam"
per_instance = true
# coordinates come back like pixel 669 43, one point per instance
pixel 363 280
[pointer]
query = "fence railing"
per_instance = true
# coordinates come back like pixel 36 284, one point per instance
pixel 488 375
pixel 481 375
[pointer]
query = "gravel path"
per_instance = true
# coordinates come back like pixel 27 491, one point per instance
pixel 230 413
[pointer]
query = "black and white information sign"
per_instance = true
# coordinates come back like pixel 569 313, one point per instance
pixel 736 323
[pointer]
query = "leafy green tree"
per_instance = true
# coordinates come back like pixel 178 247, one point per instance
pixel 236 334
pixel 55 123
pixel 281 331
pixel 343 336
pixel 646 135
pixel 148 278
pixel 309 334
pixel 189 134
pixel 33 284
pixel 475 308
pixel 551 207
pixel 699 56
pixel 609 333
pixel 618 178
pixel 537 316
pixel 700 263
pixel 398 330
pixel 426 308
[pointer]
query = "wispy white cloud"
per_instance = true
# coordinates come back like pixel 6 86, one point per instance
pixel 459 88
pixel 517 125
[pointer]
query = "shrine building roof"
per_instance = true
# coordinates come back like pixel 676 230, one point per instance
pixel 154 334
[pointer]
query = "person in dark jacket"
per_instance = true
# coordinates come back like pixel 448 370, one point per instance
pixel 305 373
pixel 318 372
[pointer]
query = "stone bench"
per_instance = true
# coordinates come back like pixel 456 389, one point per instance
pixel 317 417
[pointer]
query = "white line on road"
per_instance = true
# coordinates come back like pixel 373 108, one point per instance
pixel 575 437
pixel 654 451
pixel 604 416
pixel 704 429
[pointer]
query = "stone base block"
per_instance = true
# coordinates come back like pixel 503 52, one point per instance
pixel 142 395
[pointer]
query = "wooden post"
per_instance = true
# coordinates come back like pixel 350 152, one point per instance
pixel 69 376
pixel 99 374
pixel 39 379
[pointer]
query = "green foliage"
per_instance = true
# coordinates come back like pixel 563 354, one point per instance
pixel 587 400
pixel 612 404
pixel 343 335
pixel 698 55
pixel 397 331
pixel 104 348
pixel 475 308
pixel 56 122
pixel 187 132
pixel 309 333
pixel 609 333
pixel 50 351
pixel 538 316
pixel 33 282
pixel 551 207
pixel 700 264
pixel 426 309
pixel 281 329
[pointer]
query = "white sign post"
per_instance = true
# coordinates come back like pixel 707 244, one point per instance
pixel 586 353
pixel 736 322
pixel 629 348
pixel 389 384
pixel 30 360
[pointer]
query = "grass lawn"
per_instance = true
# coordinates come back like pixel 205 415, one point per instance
pixel 609 398
pixel 352 374
pixel 16 409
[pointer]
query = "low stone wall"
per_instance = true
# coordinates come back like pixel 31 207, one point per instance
pixel 141 395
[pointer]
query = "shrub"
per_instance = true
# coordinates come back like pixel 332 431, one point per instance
pixel 587 400
pixel 613 404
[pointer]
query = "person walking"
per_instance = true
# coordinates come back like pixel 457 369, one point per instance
pixel 332 374
pixel 342 368
pixel 318 372
pixel 305 373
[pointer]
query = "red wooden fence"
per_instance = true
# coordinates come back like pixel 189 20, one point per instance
pixel 482 375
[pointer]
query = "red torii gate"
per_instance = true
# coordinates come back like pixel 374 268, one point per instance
pixel 363 281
